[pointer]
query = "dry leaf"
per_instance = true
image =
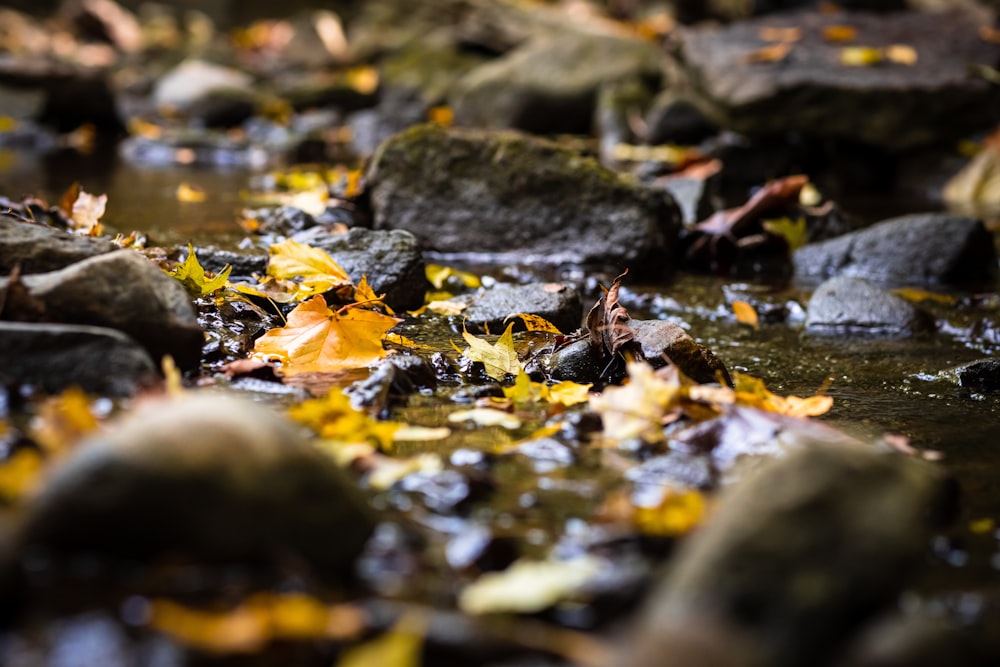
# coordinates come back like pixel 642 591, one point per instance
pixel 779 34
pixel 402 646
pixel 499 359
pixel 675 515
pixel 447 308
pixel 752 392
pixel 528 586
pixel 768 54
pixel 190 193
pixel 569 393
pixel 87 211
pixel 745 314
pixel 840 33
pixel 638 408
pixel 192 276
pixel 317 339
pixel 333 418
pixel 901 54
pixel 534 322
pixel 313 268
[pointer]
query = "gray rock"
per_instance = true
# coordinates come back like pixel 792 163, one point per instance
pixel 509 197
pixel 54 357
pixel 39 248
pixel 893 105
pixel 923 640
pixel 211 478
pixel 845 304
pixel 673 119
pixel 925 248
pixel 123 290
pixel 982 375
pixel 797 555
pixel 693 196
pixel 662 342
pixel 559 304
pixel 550 84
pixel 391 259
pixel 193 80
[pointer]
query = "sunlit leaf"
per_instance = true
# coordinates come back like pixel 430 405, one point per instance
pixel 317 339
pixel 751 391
pixel 636 409
pixel 190 193
pixel 675 515
pixel 779 34
pixel 63 420
pixel 534 322
pixel 746 314
pixel 769 54
pixel 795 232
pixel 486 417
pixel 20 473
pixel 902 54
pixel 840 33
pixel 85 210
pixel 525 390
pixel 528 586
pixel 312 268
pixel 438 275
pixel 192 276
pixel 402 646
pixel 860 56
pixel 447 308
pixel 917 295
pixel 569 393
pixel 499 359
pixel 333 418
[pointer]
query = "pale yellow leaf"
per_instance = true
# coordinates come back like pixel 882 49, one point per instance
pixel 402 646
pixel 499 359
pixel 569 393
pixel 486 417
pixel 312 268
pixel 528 586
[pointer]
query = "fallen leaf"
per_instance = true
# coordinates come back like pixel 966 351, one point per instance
pixel 20 473
pixel 768 54
pixel 191 194
pixel 569 393
pixel 442 115
pixel 840 33
pixel 387 471
pixel 752 392
pixel 534 322
pixel 988 33
pixel 917 295
pixel 411 433
pixel 638 408
pixel 779 34
pixel 524 390
pixel 528 586
pixel 447 308
pixel 677 514
pixel 63 420
pixel 333 418
pixel 745 314
pixel 313 269
pixel 86 212
pixel 438 275
pixel 486 417
pixel 317 339
pixel 499 359
pixel 192 276
pixel 402 646
pixel 901 54
pixel 860 56
pixel 795 232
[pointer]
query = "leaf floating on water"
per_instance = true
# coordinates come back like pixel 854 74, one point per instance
pixel 402 646
pixel 795 232
pixel 192 276
pixel 677 514
pixel 840 33
pixel 746 314
pixel 499 359
pixel 569 393
pixel 901 54
pixel 528 586
pixel 319 340
pixel 917 295
pixel 779 34
pixel 769 54
pixel 860 56
pixel 447 308
pixel 524 390
pixel 333 418
pixel 20 473
pixel 190 193
pixel 438 275
pixel 752 392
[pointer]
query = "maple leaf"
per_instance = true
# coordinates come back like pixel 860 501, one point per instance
pixel 85 210
pixel 607 321
pixel 534 322
pixel 638 408
pixel 313 268
pixel 192 276
pixel 499 358
pixel 569 393
pixel 317 339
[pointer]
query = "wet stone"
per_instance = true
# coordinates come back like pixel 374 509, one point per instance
pixel 982 375
pixel 162 481
pixel 797 555
pixel 662 342
pixel 893 105
pixel 926 248
pixel 38 248
pixel 845 304
pixel 193 81
pixel 390 259
pixel 54 357
pixel 508 197
pixel 489 307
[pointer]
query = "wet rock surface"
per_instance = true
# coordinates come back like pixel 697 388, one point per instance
pixel 213 479
pixel 927 248
pixel 507 196
pixel 390 259
pixel 809 90
pixel 54 357
pixel 124 291
pixel 854 305
pixel 489 308
pixel 38 248
pixel 982 375
pixel 796 555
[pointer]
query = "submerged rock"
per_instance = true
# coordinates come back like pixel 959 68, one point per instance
pixel 209 478
pixel 391 260
pixel 38 248
pixel 506 196
pixel 894 105
pixel 123 290
pixel 845 304
pixel 797 556
pixel 54 357
pixel 557 303
pixel 920 248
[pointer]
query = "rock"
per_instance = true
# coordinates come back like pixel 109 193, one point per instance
pixel 559 304
pixel 243 265
pixel 210 478
pixel 39 248
pixel 673 119
pixel 693 195
pixel 923 640
pixel 193 80
pixel 391 260
pixel 797 555
pixel 511 197
pixel 74 94
pixel 391 382
pixel 619 103
pixel 107 21
pixel 53 357
pixel 981 376
pixel 845 304
pixel 927 248
pixel 893 105
pixel 549 85
pixel 662 342
pixel 123 290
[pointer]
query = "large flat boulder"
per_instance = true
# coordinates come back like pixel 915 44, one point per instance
pixel 38 248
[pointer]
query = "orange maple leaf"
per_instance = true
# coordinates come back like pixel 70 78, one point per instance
pixel 317 339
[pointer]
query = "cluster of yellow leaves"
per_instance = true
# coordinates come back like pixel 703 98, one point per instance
pixel 334 419
pixel 255 623
pixel 562 393
pixel 192 276
pixel 676 514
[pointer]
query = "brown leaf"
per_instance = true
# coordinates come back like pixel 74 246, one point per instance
pixel 769 54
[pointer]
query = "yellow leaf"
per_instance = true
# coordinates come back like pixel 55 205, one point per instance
pixel 534 322
pixel 901 54
pixel 438 275
pixel 20 473
pixel 333 418
pixel 745 314
pixel 486 417
pixel 524 390
pixel 751 391
pixel 499 358
pixel 448 308
pixel 795 232
pixel 411 433
pixel 363 79
pixel 860 56
pixel 400 647
pixel 364 293
pixel 636 409
pixel 840 33
pixel 676 515
pixel 190 194
pixel 313 268
pixel 442 115
pixel 317 339
pixel 528 586
pixel 63 421
pixel 8 124
pixel 917 295
pixel 192 276
pixel 779 34
pixel 171 376
pixel 569 393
